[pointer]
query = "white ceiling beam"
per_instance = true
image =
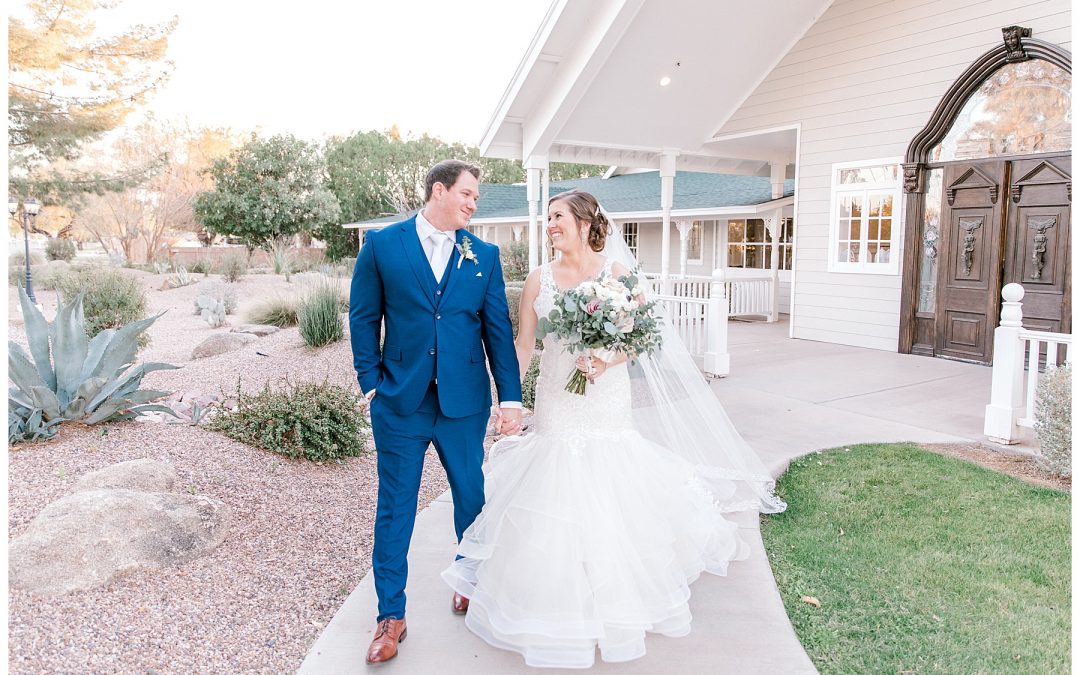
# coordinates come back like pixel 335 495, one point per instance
pixel 532 57
pixel 576 71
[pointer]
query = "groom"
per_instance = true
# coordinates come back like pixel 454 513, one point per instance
pixel 439 293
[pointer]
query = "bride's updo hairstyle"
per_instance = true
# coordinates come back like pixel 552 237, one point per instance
pixel 586 210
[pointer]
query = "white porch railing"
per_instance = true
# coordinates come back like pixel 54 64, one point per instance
pixel 701 320
pixel 749 292
pixel 689 316
pixel 1018 355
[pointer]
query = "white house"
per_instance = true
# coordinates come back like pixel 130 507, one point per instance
pixel 720 220
pixel 929 144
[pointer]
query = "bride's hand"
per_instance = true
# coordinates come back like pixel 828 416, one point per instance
pixel 591 366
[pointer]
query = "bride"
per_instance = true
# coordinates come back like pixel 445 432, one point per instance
pixel 597 521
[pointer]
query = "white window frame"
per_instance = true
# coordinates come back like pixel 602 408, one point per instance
pixel 764 244
pixel 632 230
pixel 891 188
pixel 699 227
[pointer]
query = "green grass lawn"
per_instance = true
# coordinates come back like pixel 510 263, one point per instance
pixel 922 564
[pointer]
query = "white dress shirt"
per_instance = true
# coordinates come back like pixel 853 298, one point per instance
pixel 431 236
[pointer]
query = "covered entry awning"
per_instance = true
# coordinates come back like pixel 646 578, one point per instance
pixel 646 83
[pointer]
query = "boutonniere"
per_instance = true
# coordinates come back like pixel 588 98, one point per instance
pixel 465 252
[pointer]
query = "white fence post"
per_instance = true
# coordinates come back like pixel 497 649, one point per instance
pixel 1007 380
pixel 717 359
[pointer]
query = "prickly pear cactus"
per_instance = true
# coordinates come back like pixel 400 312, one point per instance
pixel 212 310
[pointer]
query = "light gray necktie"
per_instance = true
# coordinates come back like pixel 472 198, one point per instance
pixel 440 254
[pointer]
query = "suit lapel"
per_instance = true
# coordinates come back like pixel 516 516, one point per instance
pixel 414 252
pixel 456 271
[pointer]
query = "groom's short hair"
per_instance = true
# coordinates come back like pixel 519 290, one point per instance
pixel 447 172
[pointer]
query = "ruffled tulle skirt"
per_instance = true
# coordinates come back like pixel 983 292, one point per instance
pixel 587 540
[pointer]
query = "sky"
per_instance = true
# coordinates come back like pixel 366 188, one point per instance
pixel 322 67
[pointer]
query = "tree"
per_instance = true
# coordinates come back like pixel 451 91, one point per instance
pixel 268 190
pixel 67 86
pixel 160 205
pixel 374 174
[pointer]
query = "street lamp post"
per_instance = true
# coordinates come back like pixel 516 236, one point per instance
pixel 30 210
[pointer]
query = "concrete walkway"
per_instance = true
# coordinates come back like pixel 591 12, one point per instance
pixel 787 397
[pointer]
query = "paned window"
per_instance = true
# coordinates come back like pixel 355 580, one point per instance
pixel 694 243
pixel 864 233
pixel 630 235
pixel 750 244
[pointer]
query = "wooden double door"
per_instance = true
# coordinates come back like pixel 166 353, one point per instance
pixel 1002 221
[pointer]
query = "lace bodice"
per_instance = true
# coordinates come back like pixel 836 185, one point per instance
pixel 605 407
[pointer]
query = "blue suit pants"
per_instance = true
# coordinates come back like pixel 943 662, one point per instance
pixel 401 442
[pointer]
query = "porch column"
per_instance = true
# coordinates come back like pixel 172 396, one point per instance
pixel 667 196
pixel 774 225
pixel 721 244
pixel 534 166
pixel 518 231
pixel 545 193
pixel 684 243
pixel 777 171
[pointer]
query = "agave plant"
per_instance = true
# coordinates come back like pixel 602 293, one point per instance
pixel 72 377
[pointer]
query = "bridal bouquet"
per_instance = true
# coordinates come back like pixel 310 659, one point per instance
pixel 602 316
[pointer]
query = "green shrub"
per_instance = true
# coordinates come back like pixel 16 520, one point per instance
pixel 17 267
pixel 1053 420
pixel 515 260
pixel 18 258
pixel 317 421
pixel 283 257
pixel 217 290
pixel 279 311
pixel 513 302
pixel 528 383
pixel 202 265
pixel 319 315
pixel 60 249
pixel 45 276
pixel 113 298
pixel 233 267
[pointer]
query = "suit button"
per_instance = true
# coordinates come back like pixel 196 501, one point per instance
pixel 438 292
pixel 431 352
pixel 438 316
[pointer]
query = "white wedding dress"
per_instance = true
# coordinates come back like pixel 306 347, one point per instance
pixel 591 534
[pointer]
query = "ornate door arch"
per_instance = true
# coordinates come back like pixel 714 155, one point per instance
pixel 988 187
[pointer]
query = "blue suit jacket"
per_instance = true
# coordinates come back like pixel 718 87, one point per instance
pixel 427 335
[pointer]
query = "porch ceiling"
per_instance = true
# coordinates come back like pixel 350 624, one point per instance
pixel 588 89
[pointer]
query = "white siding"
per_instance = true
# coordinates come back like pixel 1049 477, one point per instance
pixel 861 83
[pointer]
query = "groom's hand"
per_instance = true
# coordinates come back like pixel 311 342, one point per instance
pixel 508 421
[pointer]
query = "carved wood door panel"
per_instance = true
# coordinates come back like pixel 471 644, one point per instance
pixel 1037 252
pixel 969 262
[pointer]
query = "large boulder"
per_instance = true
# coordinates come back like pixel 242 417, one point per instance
pixel 221 343
pixel 89 538
pixel 143 475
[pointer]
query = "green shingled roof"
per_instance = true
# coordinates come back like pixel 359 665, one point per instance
pixel 631 193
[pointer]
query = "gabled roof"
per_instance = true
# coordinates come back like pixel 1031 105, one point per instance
pixel 627 193
pixel 588 90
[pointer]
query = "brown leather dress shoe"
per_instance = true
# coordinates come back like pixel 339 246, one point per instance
pixel 460 604
pixel 387 636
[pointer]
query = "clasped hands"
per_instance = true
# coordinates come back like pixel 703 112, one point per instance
pixel 508 421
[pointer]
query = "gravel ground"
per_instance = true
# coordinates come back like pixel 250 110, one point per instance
pixel 299 542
